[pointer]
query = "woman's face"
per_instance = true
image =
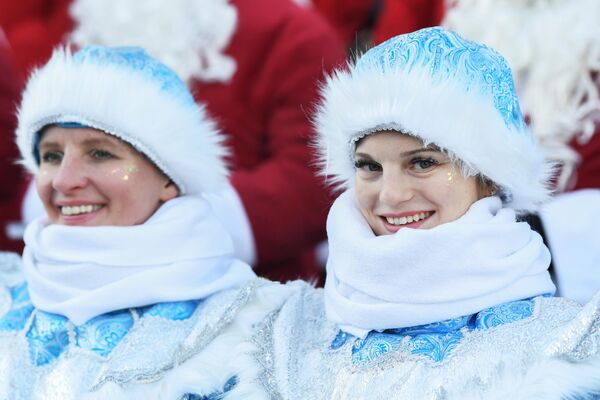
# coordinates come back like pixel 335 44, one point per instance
pixel 89 178
pixel 401 184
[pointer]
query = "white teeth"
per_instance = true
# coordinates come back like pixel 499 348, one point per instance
pixel 76 210
pixel 407 220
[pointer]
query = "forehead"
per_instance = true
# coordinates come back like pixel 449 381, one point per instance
pixel 52 133
pixel 391 141
pixel 55 135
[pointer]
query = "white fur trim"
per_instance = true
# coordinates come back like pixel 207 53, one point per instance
pixel 174 133
pixel 553 48
pixel 466 124
pixel 189 36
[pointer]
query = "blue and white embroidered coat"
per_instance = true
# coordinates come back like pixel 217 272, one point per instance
pixel 167 351
pixel 539 348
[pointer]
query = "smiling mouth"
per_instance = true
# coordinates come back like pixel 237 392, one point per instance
pixel 78 210
pixel 399 221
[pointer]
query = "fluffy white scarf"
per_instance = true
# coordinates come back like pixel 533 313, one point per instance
pixel 181 253
pixel 420 276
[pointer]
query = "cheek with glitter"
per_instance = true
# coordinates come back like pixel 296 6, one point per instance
pixel 450 177
pixel 131 169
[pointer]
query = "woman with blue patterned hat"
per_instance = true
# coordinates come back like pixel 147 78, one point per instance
pixel 129 282
pixel 433 289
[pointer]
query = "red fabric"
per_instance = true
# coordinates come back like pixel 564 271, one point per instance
pixel 588 172
pixel 404 16
pixel 33 28
pixel 12 177
pixel 347 17
pixel 281 52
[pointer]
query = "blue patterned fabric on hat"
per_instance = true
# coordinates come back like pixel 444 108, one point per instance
pixel 446 55
pixel 139 61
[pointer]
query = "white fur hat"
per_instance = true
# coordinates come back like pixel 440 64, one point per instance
pixel 553 48
pixel 126 93
pixel 443 89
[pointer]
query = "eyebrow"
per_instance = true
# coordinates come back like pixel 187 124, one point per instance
pixel 48 145
pixel 102 141
pixel 406 153
pixel 86 142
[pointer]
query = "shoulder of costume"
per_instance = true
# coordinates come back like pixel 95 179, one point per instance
pixel 579 340
pixel 270 348
pixel 570 365
pixel 231 355
pixel 225 366
pixel 305 300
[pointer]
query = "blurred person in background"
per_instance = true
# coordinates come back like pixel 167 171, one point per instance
pixel 256 65
pixel 553 47
pixel 362 23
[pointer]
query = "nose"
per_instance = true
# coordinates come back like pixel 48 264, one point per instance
pixel 70 175
pixel 396 188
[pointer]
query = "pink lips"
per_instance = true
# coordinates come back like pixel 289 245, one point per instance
pixel 81 219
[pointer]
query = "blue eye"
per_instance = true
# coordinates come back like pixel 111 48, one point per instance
pixel 101 154
pixel 51 157
pixel 423 164
pixel 368 166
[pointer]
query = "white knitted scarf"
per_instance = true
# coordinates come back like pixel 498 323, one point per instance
pixel 181 253
pixel 420 276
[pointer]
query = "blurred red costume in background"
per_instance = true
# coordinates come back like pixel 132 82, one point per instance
pixel 277 53
pixel 11 175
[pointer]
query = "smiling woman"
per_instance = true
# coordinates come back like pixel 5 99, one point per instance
pixel 402 184
pixel 433 289
pixel 88 178
pixel 129 283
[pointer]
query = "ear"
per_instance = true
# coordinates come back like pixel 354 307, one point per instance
pixel 486 188
pixel 169 191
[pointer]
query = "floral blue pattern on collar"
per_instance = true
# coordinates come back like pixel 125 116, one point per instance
pixel 49 335
pixel 21 308
pixel 436 340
